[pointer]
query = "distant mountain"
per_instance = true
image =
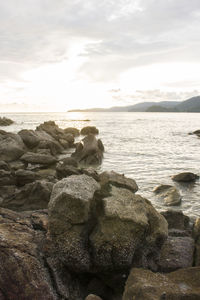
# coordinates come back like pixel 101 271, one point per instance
pixel 189 105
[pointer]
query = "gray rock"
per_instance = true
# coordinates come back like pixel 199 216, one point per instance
pixel 178 285
pixel 176 220
pixel 29 137
pixel 36 158
pixel 24 176
pixel 89 151
pixel 185 177
pixel 22 272
pixel 69 212
pixel 169 194
pixel 6 178
pixel 176 253
pixel 63 170
pixel 11 146
pixel 32 196
pixel 89 130
pixel 74 131
pixel 4 166
pixel 118 180
pixel 128 223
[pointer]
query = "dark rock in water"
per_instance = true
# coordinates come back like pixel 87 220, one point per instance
pixel 89 151
pixel 169 194
pixel 5 121
pixel 32 196
pixel 29 137
pixel 23 274
pixel 185 177
pixel 178 285
pixel 118 180
pixel 74 131
pixel 176 253
pixel 100 232
pixel 176 220
pixel 36 158
pixel 89 130
pixel 11 146
pixel 197 132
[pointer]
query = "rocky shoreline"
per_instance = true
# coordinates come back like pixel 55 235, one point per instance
pixel 68 232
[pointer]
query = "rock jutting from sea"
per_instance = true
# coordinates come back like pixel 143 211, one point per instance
pixel 68 232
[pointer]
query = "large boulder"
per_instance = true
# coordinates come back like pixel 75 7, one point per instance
pixel 103 230
pixel 185 177
pixel 176 253
pixel 11 146
pixel 178 285
pixel 37 158
pixel 169 194
pixel 89 151
pixel 23 274
pixel 69 213
pixel 128 231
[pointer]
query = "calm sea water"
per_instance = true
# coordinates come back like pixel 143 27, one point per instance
pixel 148 147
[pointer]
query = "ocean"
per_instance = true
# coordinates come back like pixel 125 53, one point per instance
pixel 148 147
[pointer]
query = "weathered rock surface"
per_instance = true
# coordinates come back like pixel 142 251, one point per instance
pixel 89 130
pixel 89 151
pixel 176 253
pixel 32 196
pixel 5 121
pixel 23 177
pixel 29 137
pixel 127 227
pixel 169 194
pixel 74 131
pixel 22 271
pixel 103 232
pixel 177 220
pixel 36 158
pixel 196 235
pixel 118 180
pixel 178 285
pixel 185 177
pixel 11 146
pixel 69 213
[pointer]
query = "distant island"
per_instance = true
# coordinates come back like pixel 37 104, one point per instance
pixel 189 105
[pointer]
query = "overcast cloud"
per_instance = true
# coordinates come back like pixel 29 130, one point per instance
pixel 110 37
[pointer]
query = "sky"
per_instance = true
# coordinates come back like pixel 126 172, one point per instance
pixel 59 55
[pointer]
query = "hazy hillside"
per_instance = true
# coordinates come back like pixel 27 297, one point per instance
pixel 189 105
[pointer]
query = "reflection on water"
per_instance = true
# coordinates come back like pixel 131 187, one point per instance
pixel 149 147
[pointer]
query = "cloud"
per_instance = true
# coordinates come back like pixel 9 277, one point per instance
pixel 112 36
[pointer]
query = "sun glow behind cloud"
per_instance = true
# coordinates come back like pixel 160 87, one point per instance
pixel 64 55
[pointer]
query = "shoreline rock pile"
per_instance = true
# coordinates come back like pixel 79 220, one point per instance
pixel 67 232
